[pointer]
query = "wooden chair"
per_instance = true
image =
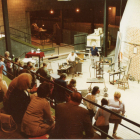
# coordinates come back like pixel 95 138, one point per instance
pixel 124 81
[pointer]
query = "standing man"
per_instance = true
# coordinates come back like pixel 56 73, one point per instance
pixel 93 53
pixel 71 60
pixel 43 72
pixel 72 120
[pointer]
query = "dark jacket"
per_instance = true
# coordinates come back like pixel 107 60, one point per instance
pixel 71 121
pixel 59 94
pixel 43 72
pixel 17 104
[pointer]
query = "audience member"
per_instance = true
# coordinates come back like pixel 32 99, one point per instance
pixel 3 84
pixel 116 103
pixel 72 120
pixel 72 85
pixel 9 67
pixel 106 115
pixel 28 65
pixel 4 67
pixel 37 119
pixel 7 54
pixel 92 97
pixel 43 72
pixel 16 67
pixel 33 76
pixel 59 93
pixel 17 98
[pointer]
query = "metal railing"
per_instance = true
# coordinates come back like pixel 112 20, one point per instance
pixel 66 89
pixel 26 37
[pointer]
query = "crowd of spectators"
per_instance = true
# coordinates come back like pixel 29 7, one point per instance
pixel 30 107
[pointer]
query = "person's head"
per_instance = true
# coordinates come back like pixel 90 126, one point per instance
pixel 63 76
pixel 117 95
pixel 1 59
pixel 29 64
pixel 24 81
pixel 76 97
pixel 7 54
pixel 72 53
pixel 31 67
pixel 16 60
pixel 43 90
pixel 104 101
pixel 72 83
pixel 21 63
pixel 95 90
pixel 93 46
pixel 44 65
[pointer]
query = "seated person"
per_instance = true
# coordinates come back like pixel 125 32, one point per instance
pixel 92 97
pixel 59 93
pixel 3 64
pixel 106 115
pixel 16 67
pixel 3 85
pixel 115 102
pixel 28 65
pixel 37 119
pixel 7 56
pixel 17 98
pixel 72 120
pixel 9 67
pixel 44 73
pixel 72 85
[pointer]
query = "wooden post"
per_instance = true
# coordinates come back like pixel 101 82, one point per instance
pixel 6 26
pixel 105 28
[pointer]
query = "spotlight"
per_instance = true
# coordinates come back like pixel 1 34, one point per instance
pixel 43 25
pixel 110 8
pixel 51 11
pixel 77 10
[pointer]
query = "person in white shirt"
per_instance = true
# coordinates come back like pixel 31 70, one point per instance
pixel 106 115
pixel 116 103
pixel 71 60
pixel 92 97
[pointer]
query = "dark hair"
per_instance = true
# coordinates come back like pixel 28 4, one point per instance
pixel 31 67
pixel 28 63
pixel 104 101
pixel 43 90
pixel 44 64
pixel 63 75
pixel 23 71
pixel 95 89
pixel 72 82
pixel 16 59
pixel 76 97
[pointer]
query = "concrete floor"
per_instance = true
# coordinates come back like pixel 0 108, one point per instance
pixel 131 96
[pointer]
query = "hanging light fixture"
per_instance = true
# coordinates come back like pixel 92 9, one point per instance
pixel 77 10
pixel 51 11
